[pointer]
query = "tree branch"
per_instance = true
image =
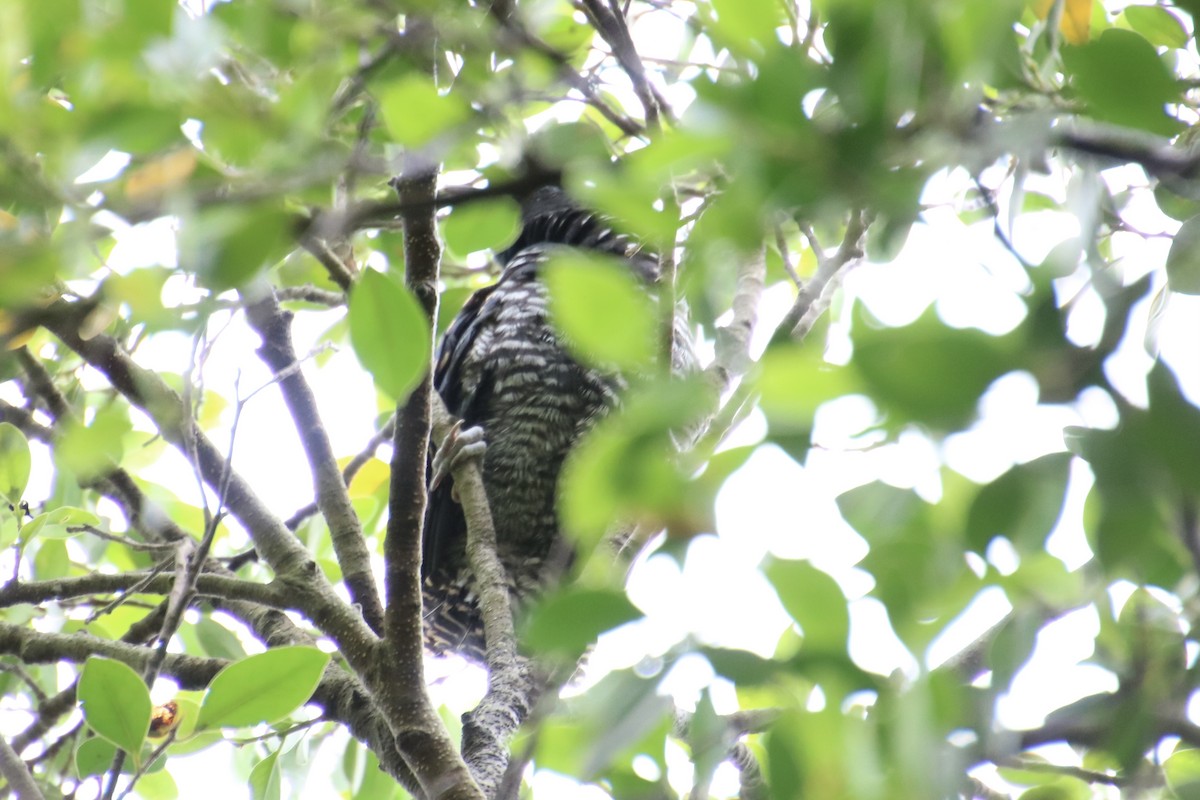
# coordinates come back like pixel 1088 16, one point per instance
pixel 420 734
pixel 293 565
pixel 804 312
pixel 733 340
pixel 208 585
pixel 513 682
pixel 273 324
pixel 340 693
pixel 18 776
pixel 610 23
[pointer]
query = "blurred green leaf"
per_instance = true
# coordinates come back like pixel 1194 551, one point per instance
pixel 1182 771
pixel 1022 505
pixel 90 450
pixel 814 600
pixel 217 640
pixel 606 316
pixel 415 113
pixel 927 372
pixel 94 756
pixel 918 567
pixel 795 380
pixel 226 246
pixel 116 704
pixel 390 333
pixel 57 523
pixel 747 24
pixel 625 468
pixel 15 463
pixel 742 667
pixel 1160 27
pixel 491 224
pixel 1122 80
pixel 262 688
pixel 619 717
pixel 1012 646
pixel 568 621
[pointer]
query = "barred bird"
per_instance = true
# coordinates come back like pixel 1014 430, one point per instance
pixel 524 402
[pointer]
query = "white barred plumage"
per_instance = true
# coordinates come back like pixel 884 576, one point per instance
pixel 501 367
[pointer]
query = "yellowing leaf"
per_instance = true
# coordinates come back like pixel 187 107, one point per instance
pixel 160 175
pixel 370 477
pixel 1076 22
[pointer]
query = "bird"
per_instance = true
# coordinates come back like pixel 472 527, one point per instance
pixel 524 402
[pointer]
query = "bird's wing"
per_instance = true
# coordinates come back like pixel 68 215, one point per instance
pixel 463 379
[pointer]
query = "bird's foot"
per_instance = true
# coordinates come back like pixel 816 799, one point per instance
pixel 459 446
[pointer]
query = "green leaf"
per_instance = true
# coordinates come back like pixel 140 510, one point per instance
pixel 93 449
pixel 617 718
pixel 1013 645
pixel 157 784
pixel 744 23
pixel 742 667
pixel 265 779
pixel 1022 505
pixel 491 224
pixel 262 688
pixel 814 600
pixel 390 333
pixel 1160 27
pixel 1182 771
pixel 794 381
pixel 1123 81
pixel 217 640
pixel 15 463
pixel 626 467
pixel 567 622
pixel 116 703
pixel 557 27
pixel 1183 259
pixel 56 524
pixel 415 113
pixel 918 566
pixel 604 313
pixel 94 756
pixel 927 372
pixel 226 246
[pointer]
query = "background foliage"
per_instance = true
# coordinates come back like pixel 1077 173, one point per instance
pixel 165 168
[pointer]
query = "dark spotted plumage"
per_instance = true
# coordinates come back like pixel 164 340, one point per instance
pixel 500 366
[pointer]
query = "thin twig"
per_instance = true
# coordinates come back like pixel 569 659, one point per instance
pixel 793 325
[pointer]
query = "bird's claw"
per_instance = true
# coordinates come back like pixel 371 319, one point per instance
pixel 459 446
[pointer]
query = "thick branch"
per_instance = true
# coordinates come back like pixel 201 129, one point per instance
pixel 16 774
pixel 512 683
pixel 420 734
pixel 1123 146
pixel 36 592
pixel 272 323
pixel 41 647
